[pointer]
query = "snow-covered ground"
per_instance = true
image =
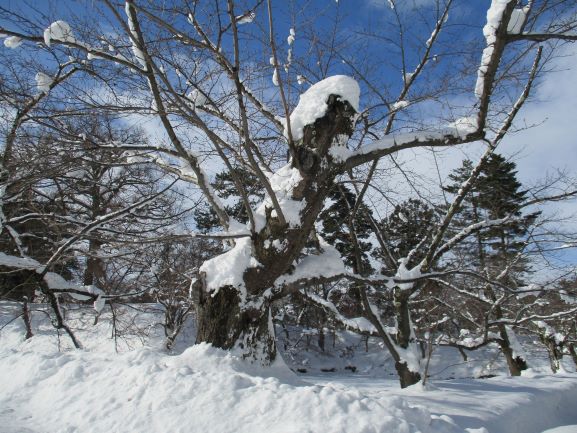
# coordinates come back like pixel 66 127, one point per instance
pixel 134 386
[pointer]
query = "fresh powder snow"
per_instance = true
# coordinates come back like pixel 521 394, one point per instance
pixel 48 388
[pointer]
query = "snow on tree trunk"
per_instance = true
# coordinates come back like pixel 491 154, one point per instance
pixel 507 343
pixel 406 376
pixel 237 287
pixel 407 368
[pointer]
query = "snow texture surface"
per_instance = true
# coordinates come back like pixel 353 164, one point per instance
pixel 203 389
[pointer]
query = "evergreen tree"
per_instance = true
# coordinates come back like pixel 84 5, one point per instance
pixel 496 194
pixel 206 218
pixel 405 229
pixel 338 228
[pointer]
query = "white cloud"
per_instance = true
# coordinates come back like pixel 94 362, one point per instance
pixel 549 145
pixel 552 144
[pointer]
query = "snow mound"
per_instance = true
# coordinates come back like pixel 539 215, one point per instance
pixel 203 389
pixel 313 103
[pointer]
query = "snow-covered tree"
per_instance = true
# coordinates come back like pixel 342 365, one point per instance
pixel 223 101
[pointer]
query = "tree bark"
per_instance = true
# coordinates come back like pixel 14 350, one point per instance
pixel 27 319
pixel 406 376
pixel 554 351
pixel 404 338
pixel 225 324
pixel 516 364
pixel 573 353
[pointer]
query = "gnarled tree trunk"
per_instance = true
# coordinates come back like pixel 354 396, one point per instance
pixel 225 319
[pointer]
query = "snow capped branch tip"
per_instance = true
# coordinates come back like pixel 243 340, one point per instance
pixel 12 42
pixel 313 103
pixel 399 105
pixel 494 19
pixel 462 130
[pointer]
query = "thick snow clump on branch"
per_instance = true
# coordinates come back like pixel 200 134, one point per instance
pixel 59 30
pixel 43 82
pixel 313 103
pixel 282 182
pixel 228 268
pixel 12 42
pixel 327 264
